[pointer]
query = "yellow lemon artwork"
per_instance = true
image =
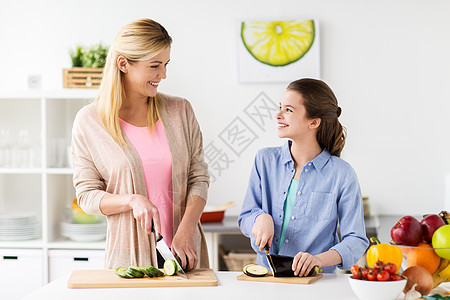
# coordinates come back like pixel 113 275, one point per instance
pixel 278 43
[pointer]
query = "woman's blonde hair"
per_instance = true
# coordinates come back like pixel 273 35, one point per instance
pixel 136 41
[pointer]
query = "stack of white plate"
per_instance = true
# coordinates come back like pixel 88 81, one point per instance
pixel 19 226
pixel 84 232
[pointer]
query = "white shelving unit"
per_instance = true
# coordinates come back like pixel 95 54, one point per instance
pixel 44 184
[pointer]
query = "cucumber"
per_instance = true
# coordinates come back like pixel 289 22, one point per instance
pixel 154 271
pixel 146 272
pixel 138 272
pixel 170 267
pixel 134 272
pixel 122 272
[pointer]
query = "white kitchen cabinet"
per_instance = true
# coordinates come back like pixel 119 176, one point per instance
pixel 42 183
pixel 61 262
pixel 35 176
pixel 22 272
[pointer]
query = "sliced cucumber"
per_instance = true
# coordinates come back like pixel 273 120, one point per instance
pixel 146 272
pixel 154 271
pixel 138 272
pixel 255 270
pixel 170 267
pixel 122 272
pixel 134 272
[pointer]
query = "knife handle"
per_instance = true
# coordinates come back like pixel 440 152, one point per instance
pixel 157 237
pixel 266 248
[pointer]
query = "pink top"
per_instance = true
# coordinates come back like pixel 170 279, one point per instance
pixel 156 158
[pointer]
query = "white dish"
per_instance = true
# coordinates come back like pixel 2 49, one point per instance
pixel 376 290
pixel 86 237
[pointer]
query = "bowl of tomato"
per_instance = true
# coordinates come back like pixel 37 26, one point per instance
pixel 380 282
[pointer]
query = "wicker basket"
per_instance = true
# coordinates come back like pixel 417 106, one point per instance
pixel 84 78
pixel 235 260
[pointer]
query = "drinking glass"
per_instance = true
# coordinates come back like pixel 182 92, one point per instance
pixel 24 144
pixel 5 148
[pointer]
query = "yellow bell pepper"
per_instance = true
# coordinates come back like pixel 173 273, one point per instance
pixel 385 253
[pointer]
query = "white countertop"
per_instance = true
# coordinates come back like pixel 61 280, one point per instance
pixel 331 286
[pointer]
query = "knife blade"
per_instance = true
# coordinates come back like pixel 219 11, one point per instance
pixel 269 259
pixel 165 252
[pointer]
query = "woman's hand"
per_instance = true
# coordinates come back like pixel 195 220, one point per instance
pixel 263 231
pixel 303 263
pixel 145 213
pixel 183 246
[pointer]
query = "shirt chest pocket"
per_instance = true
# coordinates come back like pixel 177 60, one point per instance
pixel 321 206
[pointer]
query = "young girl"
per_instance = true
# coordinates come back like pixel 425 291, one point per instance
pixel 299 192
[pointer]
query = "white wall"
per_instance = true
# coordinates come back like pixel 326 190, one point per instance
pixel 388 62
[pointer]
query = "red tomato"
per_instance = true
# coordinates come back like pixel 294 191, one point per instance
pixel 364 272
pixel 356 272
pixel 395 277
pixel 379 265
pixel 391 268
pixel 354 269
pixel 383 276
pixel 372 276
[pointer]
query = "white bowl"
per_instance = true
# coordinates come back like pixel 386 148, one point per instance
pixel 376 290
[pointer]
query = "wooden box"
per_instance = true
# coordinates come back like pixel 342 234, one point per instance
pixel 84 78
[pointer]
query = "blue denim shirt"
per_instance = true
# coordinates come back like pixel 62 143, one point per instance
pixel 328 193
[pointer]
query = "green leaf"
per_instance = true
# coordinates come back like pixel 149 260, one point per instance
pixel 89 57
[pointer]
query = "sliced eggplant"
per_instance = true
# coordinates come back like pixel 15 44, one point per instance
pixel 255 270
pixel 281 266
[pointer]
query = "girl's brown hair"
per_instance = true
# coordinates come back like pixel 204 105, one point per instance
pixel 320 102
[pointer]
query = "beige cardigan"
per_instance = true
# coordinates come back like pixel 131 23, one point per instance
pixel 102 166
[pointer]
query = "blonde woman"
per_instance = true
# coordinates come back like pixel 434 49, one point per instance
pixel 138 155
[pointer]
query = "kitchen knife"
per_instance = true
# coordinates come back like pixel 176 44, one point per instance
pixel 165 252
pixel 269 259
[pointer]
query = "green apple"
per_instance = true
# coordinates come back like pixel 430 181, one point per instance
pixel 441 240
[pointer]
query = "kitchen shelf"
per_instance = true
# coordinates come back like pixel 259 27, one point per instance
pixel 65 244
pixel 30 244
pixel 59 171
pixel 35 173
pixel 20 171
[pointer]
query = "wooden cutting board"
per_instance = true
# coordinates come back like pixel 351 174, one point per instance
pixel 270 278
pixel 107 278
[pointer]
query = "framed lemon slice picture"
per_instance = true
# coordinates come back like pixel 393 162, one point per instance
pixel 278 51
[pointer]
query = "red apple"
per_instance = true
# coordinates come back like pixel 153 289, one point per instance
pixel 429 225
pixel 407 231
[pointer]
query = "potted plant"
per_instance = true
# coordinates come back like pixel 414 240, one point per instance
pixel 87 67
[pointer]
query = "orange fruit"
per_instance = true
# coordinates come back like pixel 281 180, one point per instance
pixel 404 250
pixel 423 255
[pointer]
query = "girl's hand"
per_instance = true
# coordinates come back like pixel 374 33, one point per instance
pixel 146 213
pixel 263 231
pixel 303 263
pixel 183 246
